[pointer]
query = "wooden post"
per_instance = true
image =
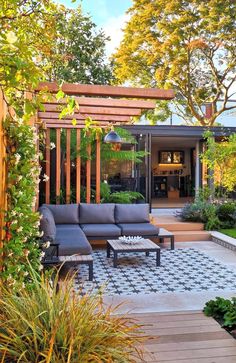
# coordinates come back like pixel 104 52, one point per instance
pixel 88 174
pixel 98 170
pixel 68 137
pixel 47 157
pixel 78 166
pixel 58 165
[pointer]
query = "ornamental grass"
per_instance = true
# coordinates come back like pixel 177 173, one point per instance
pixel 51 325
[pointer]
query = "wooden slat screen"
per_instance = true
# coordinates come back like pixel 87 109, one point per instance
pixel 58 165
pixel 68 140
pixel 78 166
pixel 88 174
pixel 47 168
pixel 98 169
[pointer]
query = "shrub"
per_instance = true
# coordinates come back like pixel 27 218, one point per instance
pixel 200 211
pixel 47 325
pixel 225 213
pixel 223 310
pixel 125 197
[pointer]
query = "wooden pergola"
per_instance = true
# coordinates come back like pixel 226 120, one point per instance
pixel 104 104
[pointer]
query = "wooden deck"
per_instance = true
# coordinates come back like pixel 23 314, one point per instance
pixel 186 337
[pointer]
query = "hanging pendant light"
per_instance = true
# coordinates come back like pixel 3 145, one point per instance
pixel 112 138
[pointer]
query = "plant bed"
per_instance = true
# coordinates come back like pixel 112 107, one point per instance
pixel 224 312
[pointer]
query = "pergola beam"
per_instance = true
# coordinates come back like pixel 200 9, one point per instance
pixel 96 110
pixel 112 91
pixel 108 102
pixel 50 118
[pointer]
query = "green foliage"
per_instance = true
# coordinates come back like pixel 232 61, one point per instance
pixel 226 213
pixel 223 310
pixel 201 211
pixel 78 54
pixel 220 157
pixel 184 45
pixel 125 197
pixel 50 325
pixel 22 222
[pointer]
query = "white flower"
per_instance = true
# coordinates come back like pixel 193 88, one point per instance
pixel 40 267
pixel 19 178
pixel 20 229
pixel 13 213
pixel 18 157
pixel 26 273
pixel 10 254
pixel 46 244
pixel 45 178
pixel 42 254
pixel 52 145
pixel 20 193
pixel 14 221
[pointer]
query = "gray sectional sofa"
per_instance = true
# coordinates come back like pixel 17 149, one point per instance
pixel 73 225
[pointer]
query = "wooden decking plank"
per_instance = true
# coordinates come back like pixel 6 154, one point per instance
pixel 193 353
pixel 190 337
pixel 180 330
pixel 170 315
pixel 175 324
pixel 205 344
pixel 228 359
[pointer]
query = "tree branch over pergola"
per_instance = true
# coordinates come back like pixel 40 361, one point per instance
pixel 188 46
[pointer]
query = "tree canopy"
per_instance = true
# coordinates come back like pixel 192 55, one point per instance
pixel 185 45
pixel 78 55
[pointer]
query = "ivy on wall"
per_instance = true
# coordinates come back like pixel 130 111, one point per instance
pixel 20 245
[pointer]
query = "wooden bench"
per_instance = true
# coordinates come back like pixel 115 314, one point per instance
pixel 163 233
pixel 79 260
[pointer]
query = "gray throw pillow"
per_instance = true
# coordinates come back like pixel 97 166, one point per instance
pixel 47 224
pixel 64 213
pixel 132 213
pixel 97 213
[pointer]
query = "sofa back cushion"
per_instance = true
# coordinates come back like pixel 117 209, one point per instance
pixel 97 213
pixel 132 213
pixel 47 224
pixel 64 213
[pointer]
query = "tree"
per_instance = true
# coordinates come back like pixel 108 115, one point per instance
pixel 185 45
pixel 220 158
pixel 79 53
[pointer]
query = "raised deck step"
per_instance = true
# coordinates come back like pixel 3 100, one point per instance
pixel 183 231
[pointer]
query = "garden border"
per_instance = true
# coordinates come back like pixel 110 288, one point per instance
pixel 224 240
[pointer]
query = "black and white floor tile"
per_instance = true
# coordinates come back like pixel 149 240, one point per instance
pixel 186 269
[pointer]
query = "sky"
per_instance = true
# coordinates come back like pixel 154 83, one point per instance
pixel 110 15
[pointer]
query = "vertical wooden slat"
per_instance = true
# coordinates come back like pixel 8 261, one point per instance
pixel 68 137
pixel 78 166
pixel 47 169
pixel 88 174
pixel 98 170
pixel 58 165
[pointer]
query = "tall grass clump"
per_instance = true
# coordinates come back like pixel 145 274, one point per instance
pixel 47 325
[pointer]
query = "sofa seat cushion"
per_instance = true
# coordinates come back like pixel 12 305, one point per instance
pixel 101 230
pixel 64 213
pixel 72 241
pixel 97 213
pixel 138 229
pixel 132 213
pixel 47 224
